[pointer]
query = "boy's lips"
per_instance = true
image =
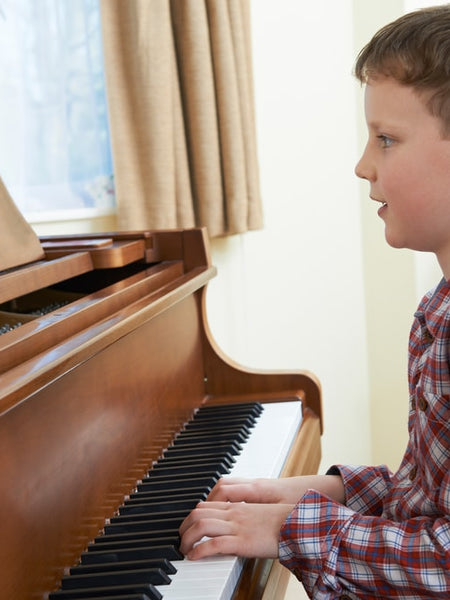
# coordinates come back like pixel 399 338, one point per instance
pixel 382 208
pixel 382 202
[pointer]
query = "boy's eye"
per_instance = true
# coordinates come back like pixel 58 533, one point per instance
pixel 386 141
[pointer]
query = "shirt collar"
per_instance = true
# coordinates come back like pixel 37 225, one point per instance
pixel 435 307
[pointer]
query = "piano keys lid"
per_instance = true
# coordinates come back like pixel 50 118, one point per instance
pixel 19 244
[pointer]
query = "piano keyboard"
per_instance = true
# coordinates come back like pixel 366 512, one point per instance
pixel 137 557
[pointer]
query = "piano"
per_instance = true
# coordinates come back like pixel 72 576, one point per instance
pixel 106 363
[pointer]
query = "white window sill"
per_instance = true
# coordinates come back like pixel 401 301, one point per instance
pixel 59 216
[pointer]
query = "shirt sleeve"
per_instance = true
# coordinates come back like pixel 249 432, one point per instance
pixel 335 550
pixel 365 487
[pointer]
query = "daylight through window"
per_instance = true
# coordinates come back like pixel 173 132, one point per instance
pixel 54 143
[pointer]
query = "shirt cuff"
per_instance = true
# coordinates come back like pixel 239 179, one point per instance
pixel 364 487
pixel 311 531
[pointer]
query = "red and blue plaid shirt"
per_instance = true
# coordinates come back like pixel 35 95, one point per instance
pixel 392 539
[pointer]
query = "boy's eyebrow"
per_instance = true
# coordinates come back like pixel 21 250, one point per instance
pixel 384 125
pixel 376 125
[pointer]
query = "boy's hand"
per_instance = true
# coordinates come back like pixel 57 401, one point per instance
pixel 259 491
pixel 287 490
pixel 241 529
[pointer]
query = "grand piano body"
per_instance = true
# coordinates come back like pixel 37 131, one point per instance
pixel 92 392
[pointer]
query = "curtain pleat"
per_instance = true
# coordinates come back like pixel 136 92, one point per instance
pixel 180 97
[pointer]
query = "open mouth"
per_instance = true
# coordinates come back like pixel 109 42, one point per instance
pixel 382 207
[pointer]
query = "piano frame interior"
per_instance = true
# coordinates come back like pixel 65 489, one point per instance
pixel 92 392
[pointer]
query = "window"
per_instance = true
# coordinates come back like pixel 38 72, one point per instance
pixel 54 138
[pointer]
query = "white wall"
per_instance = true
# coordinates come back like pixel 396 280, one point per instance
pixel 295 289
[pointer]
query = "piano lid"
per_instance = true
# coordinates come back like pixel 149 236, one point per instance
pixel 18 242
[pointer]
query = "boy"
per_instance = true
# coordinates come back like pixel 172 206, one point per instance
pixel 364 532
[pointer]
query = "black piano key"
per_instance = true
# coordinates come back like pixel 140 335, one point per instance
pixel 160 496
pixel 199 427
pixel 93 580
pixel 219 413
pixel 238 420
pixel 149 525
pixel 234 409
pixel 156 507
pixel 226 421
pixel 208 436
pixel 192 450
pixel 125 565
pixel 227 446
pixel 136 538
pixel 191 461
pixel 169 551
pixel 234 446
pixel 160 476
pixel 184 492
pixel 237 406
pixel 253 407
pixel 120 597
pixel 203 440
pixel 225 457
pixel 207 425
pixel 226 416
pixel 207 467
pixel 146 589
pixel 152 515
pixel 163 499
pixel 180 484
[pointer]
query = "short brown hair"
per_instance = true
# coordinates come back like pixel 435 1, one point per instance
pixel 415 51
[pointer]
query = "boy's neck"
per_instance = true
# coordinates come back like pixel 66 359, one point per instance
pixel 444 263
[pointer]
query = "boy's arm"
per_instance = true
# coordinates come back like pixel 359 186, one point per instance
pixel 334 550
pixel 285 490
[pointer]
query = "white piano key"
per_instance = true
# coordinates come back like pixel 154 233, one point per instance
pixel 263 455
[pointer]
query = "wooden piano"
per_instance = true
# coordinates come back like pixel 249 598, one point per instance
pixel 106 355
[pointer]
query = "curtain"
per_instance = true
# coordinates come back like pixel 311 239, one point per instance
pixel 180 97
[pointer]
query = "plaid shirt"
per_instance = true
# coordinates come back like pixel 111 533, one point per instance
pixel 392 539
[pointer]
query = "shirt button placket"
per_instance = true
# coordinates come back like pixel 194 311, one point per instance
pixel 426 336
pixel 423 404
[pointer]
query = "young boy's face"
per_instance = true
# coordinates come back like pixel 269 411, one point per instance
pixel 407 163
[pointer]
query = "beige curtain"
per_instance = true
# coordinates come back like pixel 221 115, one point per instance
pixel 180 97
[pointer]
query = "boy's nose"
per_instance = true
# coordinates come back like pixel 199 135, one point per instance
pixel 359 170
pixel 365 167
pixel 362 168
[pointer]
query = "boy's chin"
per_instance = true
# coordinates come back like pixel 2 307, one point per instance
pixel 397 239
pixel 394 241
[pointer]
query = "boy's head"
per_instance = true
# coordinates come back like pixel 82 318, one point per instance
pixel 414 50
pixel 406 67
